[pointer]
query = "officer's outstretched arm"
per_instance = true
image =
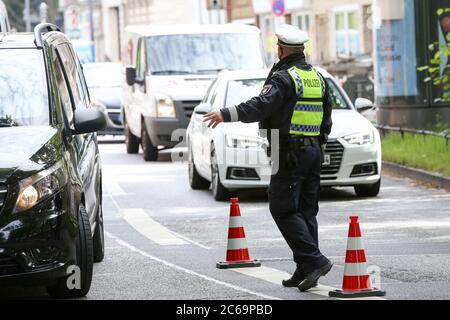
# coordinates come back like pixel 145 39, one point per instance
pixel 273 96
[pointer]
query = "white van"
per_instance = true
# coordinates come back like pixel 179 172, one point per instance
pixel 169 70
pixel 4 22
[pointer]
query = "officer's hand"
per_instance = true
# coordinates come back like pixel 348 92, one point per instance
pixel 214 117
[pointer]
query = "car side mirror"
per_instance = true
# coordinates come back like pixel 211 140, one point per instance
pixel 88 121
pixel 362 104
pixel 202 109
pixel 130 74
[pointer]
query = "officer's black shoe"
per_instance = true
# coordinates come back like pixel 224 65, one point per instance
pixel 314 276
pixel 295 280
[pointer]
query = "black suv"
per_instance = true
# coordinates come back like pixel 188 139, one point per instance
pixel 51 222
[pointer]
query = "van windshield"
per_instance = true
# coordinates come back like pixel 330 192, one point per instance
pixel 23 88
pixel 203 53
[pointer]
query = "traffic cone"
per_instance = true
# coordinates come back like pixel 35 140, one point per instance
pixel 356 281
pixel 237 250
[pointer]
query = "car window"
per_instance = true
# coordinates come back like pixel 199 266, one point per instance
pixel 23 88
pixel 206 53
pixel 208 95
pixel 337 99
pixel 63 91
pixel 140 61
pixel 218 102
pixel 103 75
pixel 242 90
pixel 75 82
pixel 81 79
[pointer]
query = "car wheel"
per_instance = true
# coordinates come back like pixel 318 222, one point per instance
pixel 371 190
pixel 220 193
pixel 150 151
pixel 99 237
pixel 85 262
pixel 196 181
pixel 131 141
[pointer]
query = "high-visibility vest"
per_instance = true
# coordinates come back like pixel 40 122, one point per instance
pixel 308 112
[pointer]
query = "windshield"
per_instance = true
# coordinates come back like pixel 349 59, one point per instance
pixel 103 75
pixel 23 88
pixel 203 53
pixel 243 90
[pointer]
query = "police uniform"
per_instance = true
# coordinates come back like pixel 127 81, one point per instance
pixel 294 100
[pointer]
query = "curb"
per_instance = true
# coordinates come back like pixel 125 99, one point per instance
pixel 434 179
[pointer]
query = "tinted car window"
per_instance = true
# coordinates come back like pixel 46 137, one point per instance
pixel 63 91
pixel 23 88
pixel 73 76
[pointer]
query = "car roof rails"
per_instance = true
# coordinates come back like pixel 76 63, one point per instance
pixel 41 29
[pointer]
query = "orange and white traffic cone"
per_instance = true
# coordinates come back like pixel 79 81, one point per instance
pixel 237 250
pixel 356 281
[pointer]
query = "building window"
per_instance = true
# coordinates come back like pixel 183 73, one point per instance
pixel 303 22
pixel 348 34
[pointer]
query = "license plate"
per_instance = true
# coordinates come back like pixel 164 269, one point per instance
pixel 326 160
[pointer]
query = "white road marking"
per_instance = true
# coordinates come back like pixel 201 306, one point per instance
pixel 190 272
pixel 275 276
pixel 152 230
pixel 113 188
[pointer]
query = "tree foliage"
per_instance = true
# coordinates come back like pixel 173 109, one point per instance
pixel 438 51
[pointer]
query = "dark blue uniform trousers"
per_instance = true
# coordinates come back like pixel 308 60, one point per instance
pixel 293 200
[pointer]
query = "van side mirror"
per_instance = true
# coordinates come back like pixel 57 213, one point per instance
pixel 88 121
pixel 130 74
pixel 202 109
pixel 362 104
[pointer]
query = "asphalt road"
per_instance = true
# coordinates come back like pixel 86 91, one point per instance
pixel 163 239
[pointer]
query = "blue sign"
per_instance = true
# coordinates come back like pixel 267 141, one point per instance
pixel 396 74
pixel 278 7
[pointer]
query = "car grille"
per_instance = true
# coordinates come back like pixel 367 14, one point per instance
pixel 336 152
pixel 3 192
pixel 8 266
pixel 188 107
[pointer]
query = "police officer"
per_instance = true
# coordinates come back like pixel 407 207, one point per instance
pixel 296 102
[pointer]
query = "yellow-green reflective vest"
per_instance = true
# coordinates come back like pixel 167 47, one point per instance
pixel 308 111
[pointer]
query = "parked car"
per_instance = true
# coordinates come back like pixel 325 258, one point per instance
pixel 232 156
pixel 51 220
pixel 171 67
pixel 104 81
pixel 4 21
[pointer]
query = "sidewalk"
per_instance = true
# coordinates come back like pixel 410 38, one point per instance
pixel 432 179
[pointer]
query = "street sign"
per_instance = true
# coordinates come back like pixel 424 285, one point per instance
pixel 278 8
pixel 72 22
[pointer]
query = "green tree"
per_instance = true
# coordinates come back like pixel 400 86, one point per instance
pixel 439 51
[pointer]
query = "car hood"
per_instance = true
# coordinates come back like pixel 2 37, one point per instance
pixel 26 150
pixel 110 97
pixel 182 87
pixel 345 122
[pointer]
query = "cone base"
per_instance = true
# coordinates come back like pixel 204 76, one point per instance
pixel 357 294
pixel 238 264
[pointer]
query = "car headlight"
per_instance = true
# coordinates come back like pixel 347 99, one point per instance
pixel 165 108
pixel 360 138
pixel 39 187
pixel 236 141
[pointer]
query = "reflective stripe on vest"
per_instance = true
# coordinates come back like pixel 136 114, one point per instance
pixel 308 112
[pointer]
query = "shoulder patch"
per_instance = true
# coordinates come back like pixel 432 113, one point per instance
pixel 266 89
